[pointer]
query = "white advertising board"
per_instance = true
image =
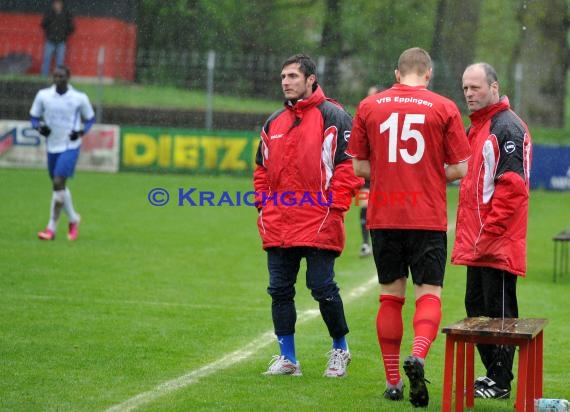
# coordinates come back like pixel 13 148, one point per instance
pixel 22 146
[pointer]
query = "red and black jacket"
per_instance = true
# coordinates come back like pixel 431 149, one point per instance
pixel 304 179
pixel 492 213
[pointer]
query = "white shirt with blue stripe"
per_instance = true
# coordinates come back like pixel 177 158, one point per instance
pixel 63 113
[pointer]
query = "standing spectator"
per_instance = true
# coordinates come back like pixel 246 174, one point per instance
pixel 365 248
pixel 402 138
pixel 57 25
pixel 492 217
pixel 57 113
pixel 302 174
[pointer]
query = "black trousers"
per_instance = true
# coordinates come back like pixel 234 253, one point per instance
pixel 283 265
pixel 493 293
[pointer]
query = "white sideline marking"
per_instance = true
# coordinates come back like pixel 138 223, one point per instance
pixel 232 358
pixel 226 361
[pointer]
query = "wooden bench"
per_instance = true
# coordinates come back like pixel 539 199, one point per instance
pixel 561 246
pixel 461 338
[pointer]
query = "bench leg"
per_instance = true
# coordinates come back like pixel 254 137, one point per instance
pixel 531 373
pixel 539 366
pixel 448 374
pixel 459 375
pixel 565 246
pixel 521 378
pixel 554 266
pixel 470 375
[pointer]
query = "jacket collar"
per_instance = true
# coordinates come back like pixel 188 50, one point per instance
pixel 488 112
pixel 302 105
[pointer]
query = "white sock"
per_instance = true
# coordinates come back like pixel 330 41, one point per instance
pixel 57 200
pixel 68 207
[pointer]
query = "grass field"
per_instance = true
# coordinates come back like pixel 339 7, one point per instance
pixel 165 309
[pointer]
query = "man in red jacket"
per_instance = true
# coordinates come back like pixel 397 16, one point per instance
pixel 304 182
pixel 410 142
pixel 492 217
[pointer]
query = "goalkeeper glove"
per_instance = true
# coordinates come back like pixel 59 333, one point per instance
pixel 76 134
pixel 44 130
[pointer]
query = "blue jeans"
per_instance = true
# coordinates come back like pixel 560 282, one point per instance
pixel 283 265
pixel 49 49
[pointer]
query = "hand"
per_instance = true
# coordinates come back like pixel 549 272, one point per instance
pixel 44 130
pixel 76 134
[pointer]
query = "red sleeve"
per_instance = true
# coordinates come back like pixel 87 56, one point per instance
pixel 510 193
pixel 260 184
pixel 358 144
pixel 344 185
pixel 456 143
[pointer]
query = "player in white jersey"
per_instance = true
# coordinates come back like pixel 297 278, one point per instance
pixel 63 115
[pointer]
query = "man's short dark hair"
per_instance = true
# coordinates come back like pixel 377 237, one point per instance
pixel 306 65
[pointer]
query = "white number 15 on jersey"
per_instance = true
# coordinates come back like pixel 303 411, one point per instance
pixel 391 124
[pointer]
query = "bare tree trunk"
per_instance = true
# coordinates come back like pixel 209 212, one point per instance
pixel 543 57
pixel 453 46
pixel 331 45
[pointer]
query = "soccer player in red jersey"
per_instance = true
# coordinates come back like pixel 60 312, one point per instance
pixel 409 141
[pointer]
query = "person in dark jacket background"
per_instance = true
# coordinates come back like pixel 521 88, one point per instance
pixel 304 182
pixel 57 25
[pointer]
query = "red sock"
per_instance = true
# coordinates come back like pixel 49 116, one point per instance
pixel 390 329
pixel 426 324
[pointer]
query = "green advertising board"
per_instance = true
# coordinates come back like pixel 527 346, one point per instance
pixel 187 150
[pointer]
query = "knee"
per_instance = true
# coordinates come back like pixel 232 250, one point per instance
pixel 281 294
pixel 58 183
pixel 328 293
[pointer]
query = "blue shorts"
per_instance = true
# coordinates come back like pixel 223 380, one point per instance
pixel 62 164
